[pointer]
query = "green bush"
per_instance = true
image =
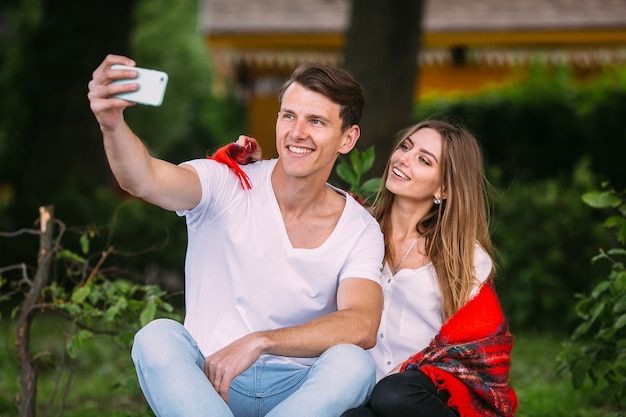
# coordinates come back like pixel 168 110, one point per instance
pixel 597 349
pixel 544 236
pixel 545 126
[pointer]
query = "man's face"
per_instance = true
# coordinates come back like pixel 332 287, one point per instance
pixel 308 133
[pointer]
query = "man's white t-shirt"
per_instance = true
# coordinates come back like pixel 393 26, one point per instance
pixel 243 275
pixel 412 311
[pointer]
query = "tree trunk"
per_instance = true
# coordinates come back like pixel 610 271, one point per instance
pixel 381 51
pixel 28 380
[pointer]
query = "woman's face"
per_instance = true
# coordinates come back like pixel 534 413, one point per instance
pixel 415 167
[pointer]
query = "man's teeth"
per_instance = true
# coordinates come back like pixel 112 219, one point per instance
pixel 400 174
pixel 299 150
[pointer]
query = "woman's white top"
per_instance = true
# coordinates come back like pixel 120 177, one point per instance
pixel 412 311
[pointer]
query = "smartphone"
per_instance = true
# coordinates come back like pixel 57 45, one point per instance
pixel 152 85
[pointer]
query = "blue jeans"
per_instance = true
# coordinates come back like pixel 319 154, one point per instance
pixel 170 368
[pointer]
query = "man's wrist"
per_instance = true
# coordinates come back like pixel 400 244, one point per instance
pixel 261 342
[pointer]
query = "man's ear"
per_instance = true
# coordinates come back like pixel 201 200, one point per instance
pixel 349 139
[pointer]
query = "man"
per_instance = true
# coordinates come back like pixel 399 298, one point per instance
pixel 282 288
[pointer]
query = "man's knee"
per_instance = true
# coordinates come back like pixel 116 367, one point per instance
pixel 153 341
pixel 352 354
pixel 351 361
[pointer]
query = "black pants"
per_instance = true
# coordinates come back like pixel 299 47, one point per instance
pixel 406 394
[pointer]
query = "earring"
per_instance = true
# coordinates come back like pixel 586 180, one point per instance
pixel 437 201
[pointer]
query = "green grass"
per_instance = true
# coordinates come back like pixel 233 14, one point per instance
pixel 103 381
pixel 541 390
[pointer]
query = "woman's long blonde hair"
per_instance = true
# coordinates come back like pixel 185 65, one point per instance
pixel 451 229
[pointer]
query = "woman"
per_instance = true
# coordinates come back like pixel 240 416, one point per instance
pixel 443 346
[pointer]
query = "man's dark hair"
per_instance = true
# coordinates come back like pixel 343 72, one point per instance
pixel 335 83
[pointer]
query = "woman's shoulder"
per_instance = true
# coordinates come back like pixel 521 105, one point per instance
pixel 483 264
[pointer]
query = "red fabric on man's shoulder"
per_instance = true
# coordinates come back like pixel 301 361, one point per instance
pixel 233 155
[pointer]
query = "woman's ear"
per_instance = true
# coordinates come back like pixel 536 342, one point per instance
pixel 444 192
pixel 441 194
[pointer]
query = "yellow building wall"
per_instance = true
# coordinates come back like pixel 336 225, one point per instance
pixel 468 80
pixel 271 55
pixel 262 111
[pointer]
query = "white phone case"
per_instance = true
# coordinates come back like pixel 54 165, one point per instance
pixel 152 85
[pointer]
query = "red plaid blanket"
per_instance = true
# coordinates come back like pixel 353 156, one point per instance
pixel 470 358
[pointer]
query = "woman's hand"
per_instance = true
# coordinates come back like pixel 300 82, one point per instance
pixel 250 143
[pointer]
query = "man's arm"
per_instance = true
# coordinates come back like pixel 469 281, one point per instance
pixel 156 181
pixel 356 321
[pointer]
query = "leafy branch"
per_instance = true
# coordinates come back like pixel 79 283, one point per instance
pixel 91 300
pixel 597 347
pixel 352 173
